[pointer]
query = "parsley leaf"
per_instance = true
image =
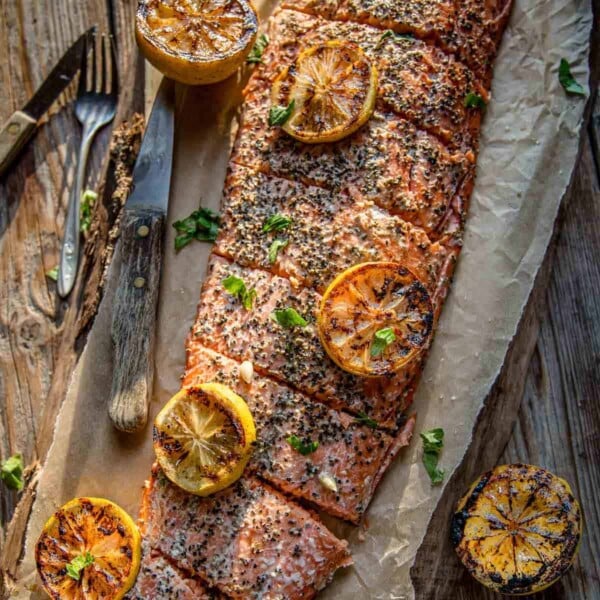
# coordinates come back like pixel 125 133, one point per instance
pixel 302 446
pixel 276 246
pixel 11 472
pixel 567 80
pixel 388 33
pixel 78 564
pixel 88 198
pixel 201 225
pixel 473 100
pixel 52 273
pixel 278 115
pixel 276 223
pixel 236 287
pixel 433 442
pixel 364 419
pixel 258 49
pixel 381 340
pixel 288 318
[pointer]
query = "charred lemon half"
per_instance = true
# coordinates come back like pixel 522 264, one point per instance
pixel 89 548
pixel 374 318
pixel 203 438
pixel 517 529
pixel 196 41
pixel 327 94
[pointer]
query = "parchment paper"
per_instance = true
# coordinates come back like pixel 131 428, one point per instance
pixel 529 145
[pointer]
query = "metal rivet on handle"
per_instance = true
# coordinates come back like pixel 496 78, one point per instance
pixel 139 282
pixel 14 128
pixel 143 231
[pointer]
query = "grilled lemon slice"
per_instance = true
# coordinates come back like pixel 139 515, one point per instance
pixel 517 529
pixel 374 318
pixel 89 548
pixel 196 41
pixel 203 438
pixel 332 86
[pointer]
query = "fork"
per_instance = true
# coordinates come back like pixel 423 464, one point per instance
pixel 95 107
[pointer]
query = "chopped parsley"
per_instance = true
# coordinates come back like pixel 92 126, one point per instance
pixel 364 419
pixel 567 80
pixel 274 249
pixel 236 287
pixel 381 340
pixel 302 446
pixel 473 100
pixel 52 273
pixel 88 198
pixel 388 33
pixel 258 49
pixel 288 318
pixel 278 115
pixel 276 222
pixel 201 225
pixel 11 472
pixel 433 442
pixel 78 564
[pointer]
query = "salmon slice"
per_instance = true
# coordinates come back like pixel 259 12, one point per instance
pixel 353 455
pixel 417 81
pixel 159 580
pixel 293 356
pixel 389 162
pixel 248 541
pixel 329 232
pixel 472 29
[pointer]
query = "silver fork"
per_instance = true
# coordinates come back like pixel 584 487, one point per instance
pixel 95 107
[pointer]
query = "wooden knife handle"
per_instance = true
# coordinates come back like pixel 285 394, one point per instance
pixel 13 136
pixel 134 317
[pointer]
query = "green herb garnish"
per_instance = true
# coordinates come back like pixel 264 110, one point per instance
pixel 236 287
pixel 473 100
pixel 567 80
pixel 433 442
pixel 381 340
pixel 288 318
pixel 11 472
pixel 52 273
pixel 276 223
pixel 201 225
pixel 388 33
pixel 88 198
pixel 274 249
pixel 278 115
pixel 258 49
pixel 78 564
pixel 302 446
pixel 364 419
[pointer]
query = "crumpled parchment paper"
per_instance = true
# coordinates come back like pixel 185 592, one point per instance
pixel 529 146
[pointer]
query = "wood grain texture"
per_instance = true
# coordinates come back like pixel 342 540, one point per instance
pixel 134 317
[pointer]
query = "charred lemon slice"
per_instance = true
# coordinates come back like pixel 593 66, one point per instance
pixel 203 438
pixel 329 92
pixel 89 548
pixel 517 529
pixel 196 41
pixel 374 318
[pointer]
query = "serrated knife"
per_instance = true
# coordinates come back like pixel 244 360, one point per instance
pixel 20 126
pixel 141 244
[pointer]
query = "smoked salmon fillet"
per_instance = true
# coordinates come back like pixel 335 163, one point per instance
pixel 351 453
pixel 247 541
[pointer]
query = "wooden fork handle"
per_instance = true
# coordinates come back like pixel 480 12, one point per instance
pixel 13 136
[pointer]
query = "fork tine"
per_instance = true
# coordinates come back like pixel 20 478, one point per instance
pixel 83 72
pixel 104 57
pixel 114 80
pixel 95 64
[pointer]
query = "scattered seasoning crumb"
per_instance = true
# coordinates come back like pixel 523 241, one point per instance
pixel 247 371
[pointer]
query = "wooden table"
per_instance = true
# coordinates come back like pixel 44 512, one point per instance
pixel 551 377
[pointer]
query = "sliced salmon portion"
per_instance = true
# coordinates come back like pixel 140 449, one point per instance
pixel 247 541
pixel 389 162
pixel 417 81
pixel 158 579
pixel 354 456
pixel 329 231
pixel 293 356
pixel 471 29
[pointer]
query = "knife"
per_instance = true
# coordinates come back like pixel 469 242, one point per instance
pixel 136 297
pixel 20 127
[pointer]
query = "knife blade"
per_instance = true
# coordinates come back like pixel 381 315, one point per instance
pixel 20 126
pixel 141 243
